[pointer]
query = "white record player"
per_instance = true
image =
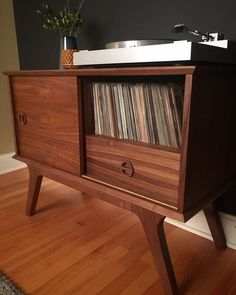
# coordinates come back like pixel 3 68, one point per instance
pixel 221 51
pixel 212 49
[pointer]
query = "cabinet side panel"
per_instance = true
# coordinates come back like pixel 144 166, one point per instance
pixel 185 134
pixel 50 133
pixel 211 158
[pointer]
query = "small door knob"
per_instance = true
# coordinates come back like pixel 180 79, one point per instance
pixel 22 118
pixel 127 169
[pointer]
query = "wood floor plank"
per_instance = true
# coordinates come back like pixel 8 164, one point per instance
pixel 121 282
pixel 76 244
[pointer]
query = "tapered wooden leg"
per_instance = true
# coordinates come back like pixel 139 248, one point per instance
pixel 153 227
pixel 35 181
pixel 215 226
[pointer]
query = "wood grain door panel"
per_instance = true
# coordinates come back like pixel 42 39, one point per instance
pixel 51 132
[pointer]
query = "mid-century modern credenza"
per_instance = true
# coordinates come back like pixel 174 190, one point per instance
pixel 158 141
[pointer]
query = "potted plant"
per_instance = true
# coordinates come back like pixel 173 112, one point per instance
pixel 66 22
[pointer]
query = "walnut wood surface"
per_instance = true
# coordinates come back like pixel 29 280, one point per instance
pixel 215 226
pixel 205 156
pixel 130 71
pixel 35 180
pixel 154 230
pixel 185 139
pixel 210 145
pixel 51 132
pixel 109 194
pixel 156 172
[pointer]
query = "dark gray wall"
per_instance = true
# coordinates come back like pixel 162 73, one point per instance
pixel 110 20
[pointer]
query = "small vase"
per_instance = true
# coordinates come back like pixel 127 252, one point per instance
pixel 68 45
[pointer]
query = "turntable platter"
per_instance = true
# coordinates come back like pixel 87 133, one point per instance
pixel 136 43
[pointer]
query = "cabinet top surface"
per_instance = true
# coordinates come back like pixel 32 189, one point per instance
pixel 157 70
pixel 125 71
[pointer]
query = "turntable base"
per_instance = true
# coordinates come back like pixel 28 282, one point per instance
pixel 221 52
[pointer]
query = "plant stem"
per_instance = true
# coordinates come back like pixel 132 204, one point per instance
pixel 68 5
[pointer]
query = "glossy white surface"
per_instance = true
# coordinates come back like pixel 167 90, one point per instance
pixel 179 51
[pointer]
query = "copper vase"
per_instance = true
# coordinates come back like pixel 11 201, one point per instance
pixel 68 45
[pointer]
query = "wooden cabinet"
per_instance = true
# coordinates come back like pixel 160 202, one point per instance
pixel 181 178
pixel 46 120
pixel 56 137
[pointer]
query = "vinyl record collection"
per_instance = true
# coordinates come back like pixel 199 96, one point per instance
pixel 146 112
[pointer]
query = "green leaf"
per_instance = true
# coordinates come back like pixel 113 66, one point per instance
pixel 64 22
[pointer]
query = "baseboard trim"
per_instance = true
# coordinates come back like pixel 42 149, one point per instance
pixel 7 164
pixel 198 225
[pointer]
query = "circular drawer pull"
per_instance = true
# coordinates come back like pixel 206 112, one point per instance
pixel 127 169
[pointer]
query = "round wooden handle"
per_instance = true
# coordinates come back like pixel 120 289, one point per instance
pixel 127 169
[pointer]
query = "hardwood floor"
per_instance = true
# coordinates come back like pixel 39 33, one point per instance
pixel 77 244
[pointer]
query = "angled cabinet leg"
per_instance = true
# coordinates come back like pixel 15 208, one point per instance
pixel 153 227
pixel 35 181
pixel 215 226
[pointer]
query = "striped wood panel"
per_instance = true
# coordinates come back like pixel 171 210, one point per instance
pixel 156 172
pixel 51 132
